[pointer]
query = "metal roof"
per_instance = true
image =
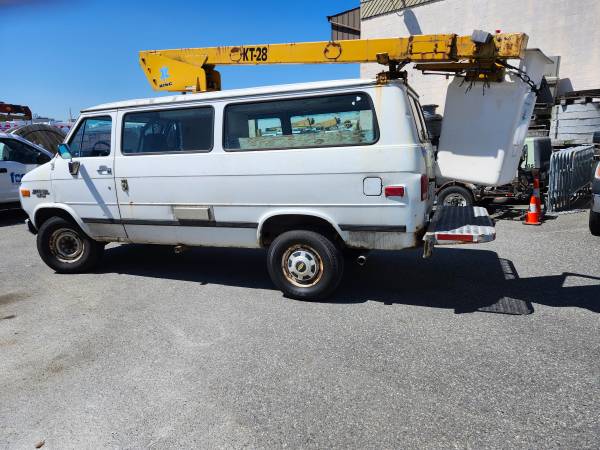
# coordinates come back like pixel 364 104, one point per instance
pixel 371 8
pixel 235 93
pixel 345 25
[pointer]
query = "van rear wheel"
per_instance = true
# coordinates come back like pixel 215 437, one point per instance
pixel 64 247
pixel 305 265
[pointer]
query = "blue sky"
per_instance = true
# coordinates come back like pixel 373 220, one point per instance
pixel 77 53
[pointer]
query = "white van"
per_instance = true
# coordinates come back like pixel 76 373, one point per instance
pixel 308 171
pixel 17 157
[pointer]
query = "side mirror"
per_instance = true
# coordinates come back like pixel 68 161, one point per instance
pixel 64 151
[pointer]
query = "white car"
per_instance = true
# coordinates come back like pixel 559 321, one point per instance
pixel 17 157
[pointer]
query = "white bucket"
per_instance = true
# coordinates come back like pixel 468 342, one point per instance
pixel 484 129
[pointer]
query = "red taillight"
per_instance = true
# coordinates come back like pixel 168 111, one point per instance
pixel 394 191
pixel 424 187
pixel 454 237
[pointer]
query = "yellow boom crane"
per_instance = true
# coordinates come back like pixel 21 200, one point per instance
pixel 481 56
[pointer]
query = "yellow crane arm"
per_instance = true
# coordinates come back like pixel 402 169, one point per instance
pixel 193 69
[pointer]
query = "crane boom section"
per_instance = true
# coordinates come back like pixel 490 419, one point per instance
pixel 192 69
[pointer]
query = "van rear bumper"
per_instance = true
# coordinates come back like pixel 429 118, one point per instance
pixel 31 227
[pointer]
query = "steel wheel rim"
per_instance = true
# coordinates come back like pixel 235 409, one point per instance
pixel 455 200
pixel 302 266
pixel 66 245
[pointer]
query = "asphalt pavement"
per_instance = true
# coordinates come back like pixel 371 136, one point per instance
pixel 158 350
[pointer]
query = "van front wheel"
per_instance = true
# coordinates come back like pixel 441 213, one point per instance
pixel 65 248
pixel 305 265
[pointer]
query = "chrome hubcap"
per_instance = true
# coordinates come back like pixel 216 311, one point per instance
pixel 455 200
pixel 66 245
pixel 302 266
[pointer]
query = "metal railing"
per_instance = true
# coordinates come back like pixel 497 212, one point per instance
pixel 571 170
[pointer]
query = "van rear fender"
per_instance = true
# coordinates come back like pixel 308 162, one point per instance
pixel 274 223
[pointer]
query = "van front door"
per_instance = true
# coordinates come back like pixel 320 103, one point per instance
pixel 91 192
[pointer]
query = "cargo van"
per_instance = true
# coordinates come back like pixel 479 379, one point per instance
pixel 308 171
pixel 17 157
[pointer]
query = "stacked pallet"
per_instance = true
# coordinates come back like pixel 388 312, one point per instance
pixel 539 126
pixel 540 121
pixel 575 120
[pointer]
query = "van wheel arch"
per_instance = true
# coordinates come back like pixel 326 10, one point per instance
pixel 278 224
pixel 43 214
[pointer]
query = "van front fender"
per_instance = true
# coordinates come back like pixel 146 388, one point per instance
pixel 44 210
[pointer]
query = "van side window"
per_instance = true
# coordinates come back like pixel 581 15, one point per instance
pixel 92 137
pixel 325 121
pixel 174 130
pixel 419 119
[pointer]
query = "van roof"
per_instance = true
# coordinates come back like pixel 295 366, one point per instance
pixel 232 93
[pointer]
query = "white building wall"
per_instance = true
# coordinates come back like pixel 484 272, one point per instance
pixel 566 28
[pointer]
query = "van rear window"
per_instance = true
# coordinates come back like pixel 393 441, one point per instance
pixel 174 130
pixel 325 121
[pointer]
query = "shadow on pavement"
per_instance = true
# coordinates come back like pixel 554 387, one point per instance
pixel 11 216
pixel 460 279
pixel 506 212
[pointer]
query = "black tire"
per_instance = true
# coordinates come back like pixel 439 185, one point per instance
pixel 595 223
pixel 324 270
pixel 64 247
pixel 457 193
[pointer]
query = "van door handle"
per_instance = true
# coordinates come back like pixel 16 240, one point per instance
pixel 3 170
pixel 124 185
pixel 103 170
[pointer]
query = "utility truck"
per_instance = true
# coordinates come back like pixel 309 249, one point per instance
pixel 308 171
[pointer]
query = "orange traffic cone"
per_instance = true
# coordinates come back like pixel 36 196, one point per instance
pixel 533 215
